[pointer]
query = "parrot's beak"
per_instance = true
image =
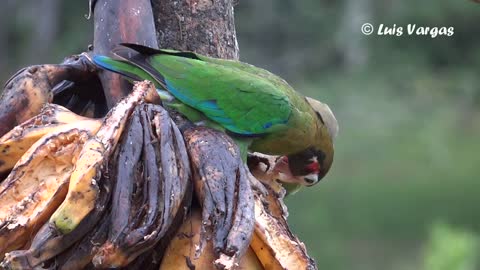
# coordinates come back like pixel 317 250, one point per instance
pixel 310 179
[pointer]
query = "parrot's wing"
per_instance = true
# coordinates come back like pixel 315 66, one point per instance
pixel 242 102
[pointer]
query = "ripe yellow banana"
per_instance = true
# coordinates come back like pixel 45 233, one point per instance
pixel 180 253
pixel 16 142
pixel 39 182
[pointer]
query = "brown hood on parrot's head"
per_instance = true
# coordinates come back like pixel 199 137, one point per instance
pixel 326 116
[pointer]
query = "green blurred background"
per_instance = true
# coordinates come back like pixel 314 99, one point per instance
pixel 402 193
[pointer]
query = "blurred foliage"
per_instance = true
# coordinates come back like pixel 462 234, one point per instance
pixel 408 109
pixel 451 249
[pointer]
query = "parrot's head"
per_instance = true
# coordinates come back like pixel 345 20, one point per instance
pixel 309 166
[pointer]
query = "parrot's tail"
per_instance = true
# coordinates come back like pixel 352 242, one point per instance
pixel 132 61
pixel 130 71
pixel 118 66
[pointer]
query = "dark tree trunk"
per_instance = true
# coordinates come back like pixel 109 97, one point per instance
pixel 202 26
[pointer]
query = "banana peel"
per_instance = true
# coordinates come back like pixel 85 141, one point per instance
pixel 48 242
pixel 38 183
pixel 51 119
pixel 274 244
pixel 27 91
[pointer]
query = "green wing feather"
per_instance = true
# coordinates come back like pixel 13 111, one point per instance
pixel 243 99
pixel 241 102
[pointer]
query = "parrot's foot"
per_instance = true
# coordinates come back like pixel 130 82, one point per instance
pixel 254 160
pixel 261 166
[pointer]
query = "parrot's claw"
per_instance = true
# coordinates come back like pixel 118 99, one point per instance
pixel 254 160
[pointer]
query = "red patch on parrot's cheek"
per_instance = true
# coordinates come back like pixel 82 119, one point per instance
pixel 313 167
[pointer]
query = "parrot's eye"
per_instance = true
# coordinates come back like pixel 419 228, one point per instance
pixel 320 117
pixel 315 109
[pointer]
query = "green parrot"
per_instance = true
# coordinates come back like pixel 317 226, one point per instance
pixel 260 111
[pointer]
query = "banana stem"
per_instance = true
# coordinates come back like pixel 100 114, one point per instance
pixel 120 21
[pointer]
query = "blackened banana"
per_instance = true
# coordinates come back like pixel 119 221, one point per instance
pixel 80 255
pixel 154 183
pixel 27 91
pixel 223 188
pixel 152 259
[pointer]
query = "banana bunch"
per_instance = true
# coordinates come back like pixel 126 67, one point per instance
pixel 147 197
pixel 83 186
